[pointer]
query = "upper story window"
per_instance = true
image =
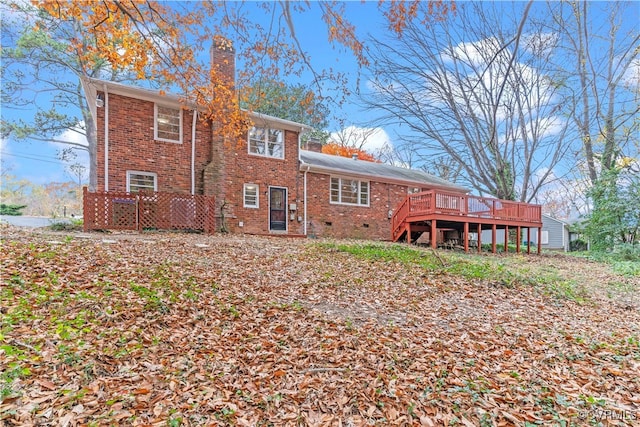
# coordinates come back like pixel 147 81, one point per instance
pixel 349 191
pixel 141 181
pixel 266 142
pixel 167 124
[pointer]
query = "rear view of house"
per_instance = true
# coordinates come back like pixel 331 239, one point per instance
pixel 160 165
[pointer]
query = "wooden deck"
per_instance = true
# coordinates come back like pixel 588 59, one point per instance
pixel 450 217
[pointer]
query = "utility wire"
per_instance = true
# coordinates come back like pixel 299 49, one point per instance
pixel 31 158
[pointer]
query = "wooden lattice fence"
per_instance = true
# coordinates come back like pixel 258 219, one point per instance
pixel 148 211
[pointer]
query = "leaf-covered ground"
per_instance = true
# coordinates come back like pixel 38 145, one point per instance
pixel 177 329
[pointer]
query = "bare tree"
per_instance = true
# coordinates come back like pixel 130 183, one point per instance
pixel 600 69
pixel 475 89
pixel 353 136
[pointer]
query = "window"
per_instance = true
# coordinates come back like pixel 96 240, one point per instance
pixel 545 237
pixel 141 181
pixel 349 191
pixel 168 124
pixel 251 196
pixel 266 142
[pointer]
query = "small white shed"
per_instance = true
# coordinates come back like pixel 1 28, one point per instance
pixel 554 235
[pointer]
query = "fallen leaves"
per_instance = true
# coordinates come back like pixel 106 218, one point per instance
pixel 260 331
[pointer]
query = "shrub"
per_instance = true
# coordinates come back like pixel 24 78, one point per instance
pixel 578 245
pixel 13 210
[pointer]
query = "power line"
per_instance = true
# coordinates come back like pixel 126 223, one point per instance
pixel 31 158
pixel 40 156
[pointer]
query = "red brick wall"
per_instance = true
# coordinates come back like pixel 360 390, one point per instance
pixel 346 221
pixel 244 168
pixel 132 147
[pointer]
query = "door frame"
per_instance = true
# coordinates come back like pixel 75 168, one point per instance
pixel 285 206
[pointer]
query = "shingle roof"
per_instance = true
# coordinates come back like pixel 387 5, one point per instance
pixel 319 162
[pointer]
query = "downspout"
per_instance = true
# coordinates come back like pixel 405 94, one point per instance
pixel 304 196
pixel 305 200
pixel 106 138
pixel 193 152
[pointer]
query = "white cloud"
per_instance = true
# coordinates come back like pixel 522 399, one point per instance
pixel 372 140
pixel 476 54
pixel 74 136
pixel 539 44
pixel 631 77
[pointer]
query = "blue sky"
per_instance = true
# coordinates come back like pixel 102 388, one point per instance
pixel 37 161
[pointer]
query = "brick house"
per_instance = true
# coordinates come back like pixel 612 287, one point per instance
pixel 265 185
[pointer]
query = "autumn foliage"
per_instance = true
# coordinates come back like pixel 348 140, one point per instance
pixel 166 41
pixel 341 150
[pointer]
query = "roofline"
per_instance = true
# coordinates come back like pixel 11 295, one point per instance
pixel 373 177
pixel 152 95
pixel 557 220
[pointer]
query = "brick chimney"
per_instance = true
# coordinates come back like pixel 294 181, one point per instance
pixel 223 59
pixel 223 62
pixel 313 145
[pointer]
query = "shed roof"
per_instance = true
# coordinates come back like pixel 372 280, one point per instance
pixel 326 163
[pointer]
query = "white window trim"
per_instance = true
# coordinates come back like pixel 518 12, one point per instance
pixel 266 141
pixel 155 124
pixel 153 174
pixel 244 196
pixel 544 238
pixel 359 191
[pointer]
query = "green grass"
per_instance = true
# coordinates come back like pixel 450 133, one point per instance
pixel 624 259
pixel 63 225
pixel 508 272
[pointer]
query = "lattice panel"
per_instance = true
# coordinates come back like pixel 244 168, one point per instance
pixel 148 211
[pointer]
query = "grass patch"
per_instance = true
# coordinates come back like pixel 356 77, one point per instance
pixel 67 225
pixel 509 272
pixel 624 259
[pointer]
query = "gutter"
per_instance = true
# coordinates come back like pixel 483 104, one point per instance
pixel 305 200
pixel 380 178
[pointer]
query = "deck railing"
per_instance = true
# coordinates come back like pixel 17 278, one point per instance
pixel 140 211
pixel 458 206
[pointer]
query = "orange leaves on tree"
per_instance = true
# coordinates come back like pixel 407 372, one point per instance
pixel 156 40
pixel 343 151
pixel 400 12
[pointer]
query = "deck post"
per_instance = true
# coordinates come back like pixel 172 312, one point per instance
pixel 479 237
pixel 408 233
pixel 519 233
pixel 528 240
pixel 433 232
pixel 465 237
pixel 506 239
pixel 493 238
pixel 539 240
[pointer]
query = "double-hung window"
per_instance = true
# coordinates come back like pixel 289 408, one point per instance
pixel 266 142
pixel 251 196
pixel 349 191
pixel 141 181
pixel 167 124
